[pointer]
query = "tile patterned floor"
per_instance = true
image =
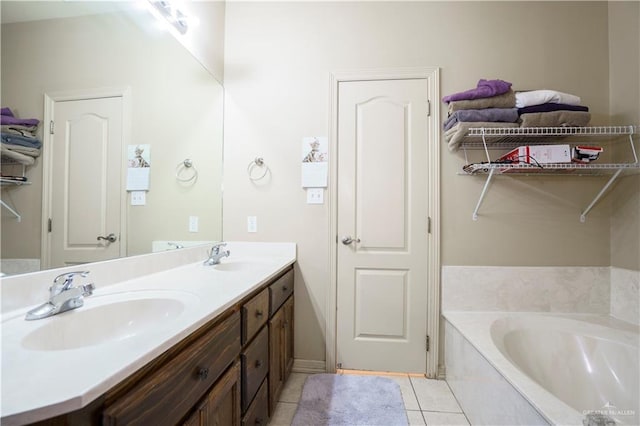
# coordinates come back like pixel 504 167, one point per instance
pixel 427 402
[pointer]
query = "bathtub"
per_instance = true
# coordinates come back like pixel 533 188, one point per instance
pixel 541 368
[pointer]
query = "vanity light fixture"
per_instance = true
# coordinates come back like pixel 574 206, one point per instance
pixel 171 14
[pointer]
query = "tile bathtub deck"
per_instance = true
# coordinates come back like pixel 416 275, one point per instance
pixel 427 402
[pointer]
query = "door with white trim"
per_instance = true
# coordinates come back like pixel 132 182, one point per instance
pixel 381 319
pixel 86 165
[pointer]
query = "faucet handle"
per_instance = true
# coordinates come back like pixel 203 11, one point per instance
pixel 87 289
pixel 68 276
pixel 216 248
pixel 68 280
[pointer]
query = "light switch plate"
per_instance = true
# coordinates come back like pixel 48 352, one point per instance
pixel 138 198
pixel 193 223
pixel 252 224
pixel 315 196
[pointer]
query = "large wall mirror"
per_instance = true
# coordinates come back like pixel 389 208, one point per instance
pixel 175 110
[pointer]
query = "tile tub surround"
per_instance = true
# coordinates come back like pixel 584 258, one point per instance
pixel 214 290
pixel 531 289
pixel 485 395
pixel 488 385
pixel 625 296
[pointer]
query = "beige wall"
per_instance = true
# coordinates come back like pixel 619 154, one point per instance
pixel 278 57
pixel 624 67
pixel 176 108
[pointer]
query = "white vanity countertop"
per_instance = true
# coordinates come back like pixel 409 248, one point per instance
pixel 39 384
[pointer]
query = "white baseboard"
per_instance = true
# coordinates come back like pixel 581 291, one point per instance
pixel 442 372
pixel 308 366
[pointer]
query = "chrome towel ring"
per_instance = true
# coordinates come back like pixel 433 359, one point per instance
pixel 186 171
pixel 258 163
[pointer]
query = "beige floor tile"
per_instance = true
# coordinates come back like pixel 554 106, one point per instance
pixel 445 419
pixel 283 416
pixel 415 418
pixel 408 395
pixel 434 395
pixel 293 388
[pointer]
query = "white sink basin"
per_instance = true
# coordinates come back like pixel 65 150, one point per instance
pixel 107 318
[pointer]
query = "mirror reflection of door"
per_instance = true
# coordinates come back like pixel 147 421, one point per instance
pixel 85 169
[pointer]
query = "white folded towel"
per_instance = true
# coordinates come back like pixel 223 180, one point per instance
pixel 538 97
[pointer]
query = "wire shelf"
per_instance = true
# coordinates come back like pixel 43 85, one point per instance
pixel 511 137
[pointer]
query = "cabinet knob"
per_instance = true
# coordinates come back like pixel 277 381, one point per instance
pixel 203 373
pixel 258 363
pixel 285 288
pixel 259 422
pixel 259 314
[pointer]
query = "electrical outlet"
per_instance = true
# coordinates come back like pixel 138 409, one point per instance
pixel 193 223
pixel 138 198
pixel 252 224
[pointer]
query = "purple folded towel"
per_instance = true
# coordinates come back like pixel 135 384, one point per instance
pixel 484 89
pixel 548 107
pixel 7 117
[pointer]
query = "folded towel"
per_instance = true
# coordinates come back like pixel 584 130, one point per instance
pixel 504 100
pixel 7 117
pixel 555 119
pixel 537 97
pixel 507 115
pixel 17 129
pixel 456 134
pixel 552 107
pixel 32 152
pixel 484 89
pixel 20 140
pixel 16 156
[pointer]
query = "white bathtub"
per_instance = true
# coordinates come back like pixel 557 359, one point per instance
pixel 562 366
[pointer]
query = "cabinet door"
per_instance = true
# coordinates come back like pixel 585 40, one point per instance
pixel 287 337
pixel 221 406
pixel 276 370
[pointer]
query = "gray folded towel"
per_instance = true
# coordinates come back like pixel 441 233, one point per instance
pixel 506 115
pixel 555 119
pixel 505 100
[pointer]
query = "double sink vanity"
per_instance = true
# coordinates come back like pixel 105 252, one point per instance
pixel 162 339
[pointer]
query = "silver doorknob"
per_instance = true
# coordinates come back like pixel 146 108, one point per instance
pixel 111 238
pixel 348 240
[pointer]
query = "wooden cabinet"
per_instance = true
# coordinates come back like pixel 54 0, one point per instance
pixel 221 406
pixel 220 375
pixel 188 374
pixel 258 412
pixel 280 350
pixel 255 366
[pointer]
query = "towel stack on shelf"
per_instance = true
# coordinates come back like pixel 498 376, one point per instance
pixel 19 140
pixel 550 108
pixel 491 103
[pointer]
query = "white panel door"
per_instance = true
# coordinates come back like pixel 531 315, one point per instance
pixel 86 181
pixel 382 225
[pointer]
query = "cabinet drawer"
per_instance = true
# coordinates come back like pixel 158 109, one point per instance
pixel 255 365
pixel 258 412
pixel 279 291
pixel 189 374
pixel 254 315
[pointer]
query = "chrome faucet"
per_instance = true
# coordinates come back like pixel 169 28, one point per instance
pixel 216 253
pixel 63 296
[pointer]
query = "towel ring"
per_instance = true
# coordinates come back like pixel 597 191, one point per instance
pixel 258 162
pixel 182 171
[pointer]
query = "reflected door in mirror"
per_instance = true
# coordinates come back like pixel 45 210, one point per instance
pixel 86 180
